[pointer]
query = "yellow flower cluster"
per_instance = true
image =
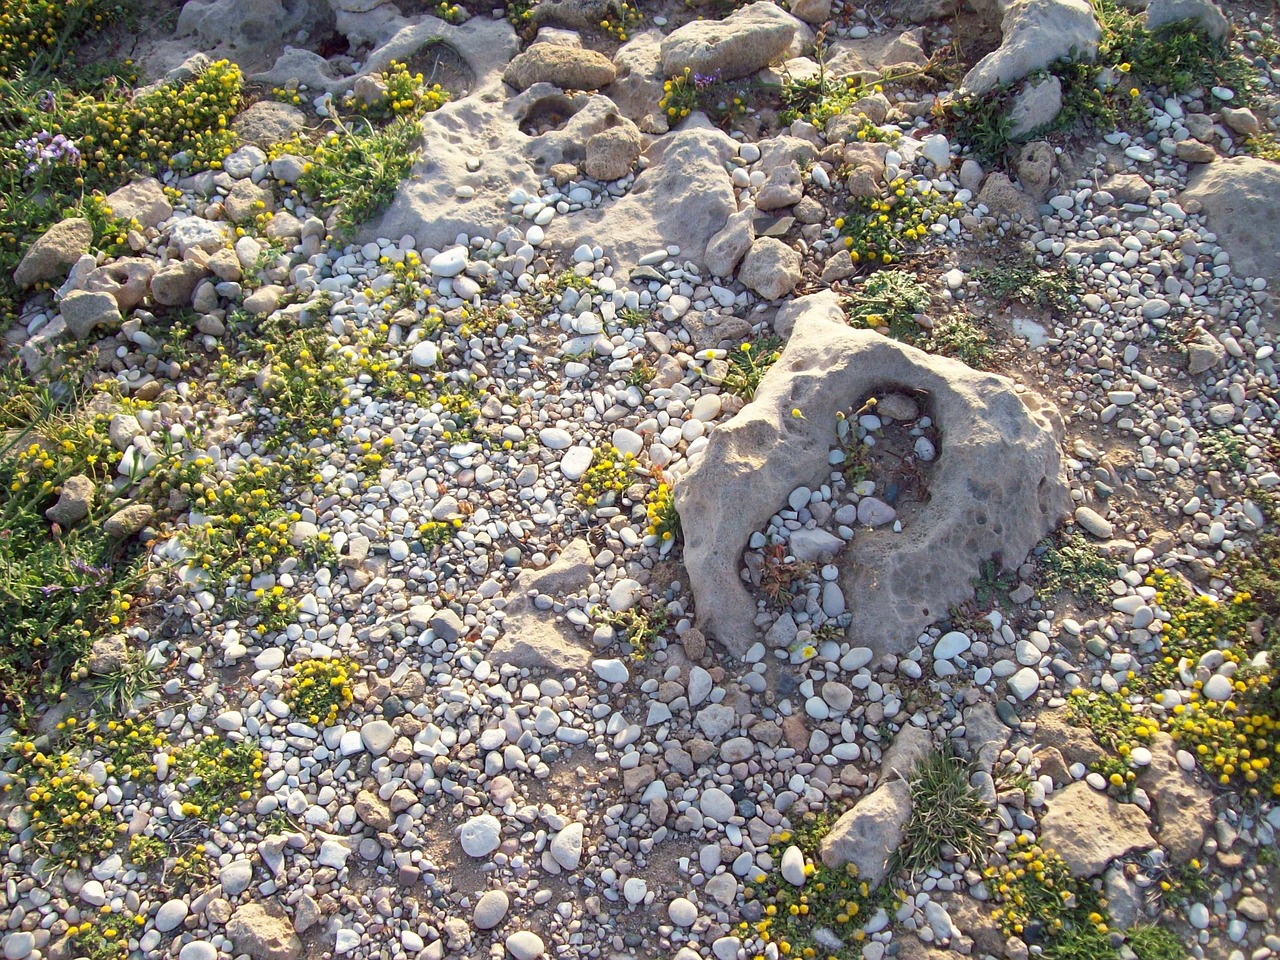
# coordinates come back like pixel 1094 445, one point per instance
pixel 67 826
pixel 438 532
pixel 407 94
pixel 32 28
pixel 319 689
pixel 609 474
pixel 217 775
pixel 883 229
pixel 664 522
pixel 1035 884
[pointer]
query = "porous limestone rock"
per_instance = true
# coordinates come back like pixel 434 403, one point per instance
pixel 637 88
pixel 263 936
pixel 1183 806
pixel 143 200
pixel 532 637
pixel 268 122
pixel 870 57
pixel 612 152
pixel 684 197
pixel 770 268
pixel 1240 198
pixel 251 31
pixel 1089 829
pixel 737 46
pixel 52 255
pixel 570 68
pixel 1035 34
pixel 1203 13
pixel 729 246
pixel 997 486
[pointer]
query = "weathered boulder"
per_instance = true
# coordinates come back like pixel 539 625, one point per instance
pixel 997 486
pixel 1035 106
pixel 176 281
pixel 612 152
pixel 737 46
pixel 143 201
pixel 85 310
pixel 570 68
pixel 1183 807
pixel 531 637
pixel 74 501
pixel 1089 829
pixel 870 57
pixel 55 252
pixel 1240 197
pixel 637 88
pixel 770 268
pixel 730 245
pixel 1035 34
pixel 267 122
pixel 128 281
pixel 684 197
pixel 263 936
pixel 251 30
pixel 1203 13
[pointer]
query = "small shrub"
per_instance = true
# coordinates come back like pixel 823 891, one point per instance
pixel 883 229
pixel 664 522
pixel 67 829
pixel 1152 942
pixel 719 99
pixel 963 340
pixel 1037 891
pixel 945 811
pixel 639 627
pixel 748 365
pixel 889 300
pixel 319 690
pixel 1020 280
pixel 436 533
pixel 609 474
pixel 216 775
pixel 1073 564
pixel 407 95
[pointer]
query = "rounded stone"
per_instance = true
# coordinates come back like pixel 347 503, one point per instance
pixel 481 835
pixel 490 909
pixel 682 912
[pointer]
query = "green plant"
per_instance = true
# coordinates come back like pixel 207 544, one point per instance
pixel 833 904
pixel 215 775
pixel 963 340
pixel 1036 890
pixel 405 94
pixel 119 690
pixel 356 170
pixel 748 365
pixel 945 811
pixel 67 828
pixel 101 939
pixel 1020 280
pixel 1152 942
pixel 1072 563
pixel 38 35
pixel 435 533
pixel 1224 450
pixel 319 689
pixel 660 508
pixel 885 227
pixel 889 300
pixel 609 474
pixel 639 626
pixel 778 574
pixel 721 100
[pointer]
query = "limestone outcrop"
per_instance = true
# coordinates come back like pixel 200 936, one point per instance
pixel 997 488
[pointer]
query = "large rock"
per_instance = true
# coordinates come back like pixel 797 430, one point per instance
pixel 1204 14
pixel 770 268
pixel 85 310
pixel 55 252
pixel 612 153
pixel 268 122
pixel 570 68
pixel 870 57
pixel 997 485
pixel 1183 807
pixel 262 935
pixel 730 245
pixel 684 197
pixel 1089 829
pixel 1035 34
pixel 532 637
pixel 143 201
pixel 251 30
pixel 736 46
pixel 74 501
pixel 1240 197
pixel 637 88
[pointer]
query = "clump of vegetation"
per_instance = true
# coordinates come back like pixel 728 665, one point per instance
pixel 890 300
pixel 1073 564
pixel 638 626
pixel 36 36
pixel 319 690
pixel 945 811
pixel 1113 723
pixel 961 339
pixel 404 94
pixel 1038 895
pixel 748 365
pixel 1020 280
pixel 459 409
pixel 883 229
pixel 834 903
pixel 780 572
pixel 609 474
pixel 1224 450
pixel 719 99
pixel 436 533
pixel 1152 942
pixel 660 508
pixel 118 690
pixel 68 829
pixel 215 775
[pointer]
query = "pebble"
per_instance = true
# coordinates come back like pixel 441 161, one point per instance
pixel 490 909
pixel 481 835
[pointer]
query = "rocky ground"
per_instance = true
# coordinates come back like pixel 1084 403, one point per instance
pixel 809 494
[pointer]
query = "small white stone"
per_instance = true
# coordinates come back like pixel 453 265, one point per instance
pixel 793 866
pixel 682 912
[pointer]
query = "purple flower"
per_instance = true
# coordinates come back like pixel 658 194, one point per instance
pixel 46 149
pixel 46 101
pixel 703 80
